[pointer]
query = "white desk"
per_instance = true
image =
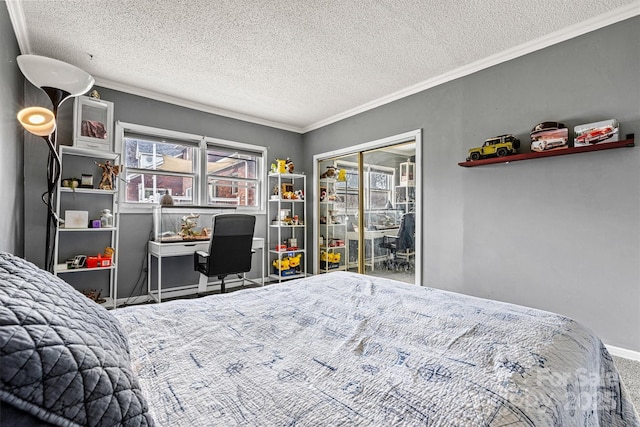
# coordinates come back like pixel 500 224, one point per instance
pixel 371 236
pixel 164 250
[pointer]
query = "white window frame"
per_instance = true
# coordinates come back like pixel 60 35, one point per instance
pixel 209 142
pixel 201 144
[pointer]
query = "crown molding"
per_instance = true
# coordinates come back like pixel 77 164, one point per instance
pixel 135 90
pixel 592 24
pixel 19 23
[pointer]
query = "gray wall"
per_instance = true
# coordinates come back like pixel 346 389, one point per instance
pixel 561 234
pixel 136 228
pixel 11 155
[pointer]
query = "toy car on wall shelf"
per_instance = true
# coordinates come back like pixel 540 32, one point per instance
pixel 498 146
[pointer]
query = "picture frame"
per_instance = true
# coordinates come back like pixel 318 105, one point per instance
pixel 86 181
pixel 76 219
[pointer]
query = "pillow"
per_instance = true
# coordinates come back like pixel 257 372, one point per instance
pixel 65 359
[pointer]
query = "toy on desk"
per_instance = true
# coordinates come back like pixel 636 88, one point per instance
pixel 342 175
pixel 323 195
pixel 299 194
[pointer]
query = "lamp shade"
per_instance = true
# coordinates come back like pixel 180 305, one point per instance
pixel 46 72
pixel 37 120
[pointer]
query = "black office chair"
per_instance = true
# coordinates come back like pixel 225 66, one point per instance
pixel 229 249
pixel 401 247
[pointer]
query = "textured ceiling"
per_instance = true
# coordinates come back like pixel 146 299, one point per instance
pixel 295 64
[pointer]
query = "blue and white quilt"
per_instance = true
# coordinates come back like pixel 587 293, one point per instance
pixel 347 349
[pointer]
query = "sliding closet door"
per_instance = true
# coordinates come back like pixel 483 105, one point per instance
pixel 366 212
pixel 338 195
pixel 389 212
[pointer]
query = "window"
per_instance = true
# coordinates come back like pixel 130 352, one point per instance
pixel 194 170
pixel 154 168
pixel 380 185
pixel 233 177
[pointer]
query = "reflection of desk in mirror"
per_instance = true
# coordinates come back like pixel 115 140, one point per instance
pixel 164 250
pixel 372 250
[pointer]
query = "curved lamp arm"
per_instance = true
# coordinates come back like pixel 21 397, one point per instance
pixel 59 81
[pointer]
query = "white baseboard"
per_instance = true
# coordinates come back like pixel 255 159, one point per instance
pixel 623 352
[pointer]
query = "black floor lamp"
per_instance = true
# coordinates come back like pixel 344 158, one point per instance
pixel 60 81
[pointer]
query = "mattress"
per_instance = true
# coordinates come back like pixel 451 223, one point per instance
pixel 348 349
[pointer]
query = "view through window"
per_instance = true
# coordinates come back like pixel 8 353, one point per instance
pixel 193 172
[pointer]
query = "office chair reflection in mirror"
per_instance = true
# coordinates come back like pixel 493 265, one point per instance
pixel 402 246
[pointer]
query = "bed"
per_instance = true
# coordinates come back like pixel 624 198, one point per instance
pixel 335 349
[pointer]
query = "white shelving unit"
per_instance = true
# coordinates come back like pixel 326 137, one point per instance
pixel 333 245
pixel 70 242
pixel 282 215
pixel 405 198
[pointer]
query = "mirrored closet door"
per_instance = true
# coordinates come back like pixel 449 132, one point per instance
pixel 366 212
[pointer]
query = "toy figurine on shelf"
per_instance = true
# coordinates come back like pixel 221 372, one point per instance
pixel 294 262
pixel 330 173
pixel 282 166
pixel 109 173
pixel 282 264
pixel 289 165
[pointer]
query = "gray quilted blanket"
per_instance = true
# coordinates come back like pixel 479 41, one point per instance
pixel 65 359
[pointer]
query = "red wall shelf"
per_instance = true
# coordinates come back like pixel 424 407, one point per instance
pixel 551 153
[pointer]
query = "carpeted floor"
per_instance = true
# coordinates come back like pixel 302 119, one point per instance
pixel 630 373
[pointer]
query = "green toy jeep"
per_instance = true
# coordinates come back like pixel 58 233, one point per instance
pixel 499 146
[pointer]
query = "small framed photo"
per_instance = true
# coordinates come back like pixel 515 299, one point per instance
pixel 76 219
pixel 86 181
pixel 287 188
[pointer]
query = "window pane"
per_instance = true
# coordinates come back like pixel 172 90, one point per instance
pixel 153 155
pixel 379 199
pixel 232 163
pixel 149 188
pixel 231 192
pixel 380 180
pixel 352 178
